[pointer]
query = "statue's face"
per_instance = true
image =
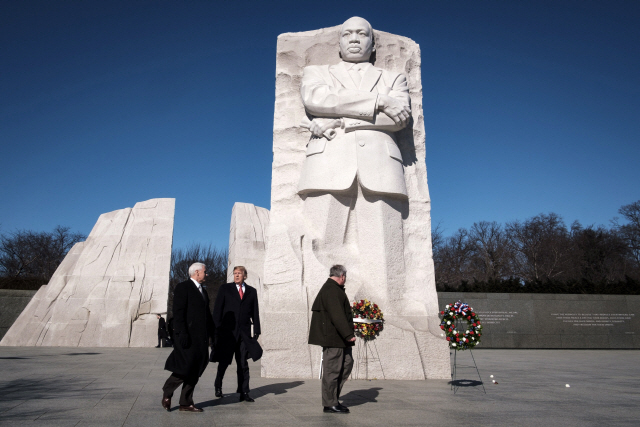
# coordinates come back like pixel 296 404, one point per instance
pixel 356 40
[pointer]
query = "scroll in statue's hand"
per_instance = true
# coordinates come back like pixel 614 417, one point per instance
pixel 320 127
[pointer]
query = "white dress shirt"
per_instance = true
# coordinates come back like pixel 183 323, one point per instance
pixel 197 285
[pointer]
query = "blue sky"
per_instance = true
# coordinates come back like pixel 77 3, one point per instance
pixel 530 106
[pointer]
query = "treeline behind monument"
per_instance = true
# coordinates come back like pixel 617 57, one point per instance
pixel 542 254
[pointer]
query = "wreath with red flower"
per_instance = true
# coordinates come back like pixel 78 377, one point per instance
pixel 461 325
pixel 368 320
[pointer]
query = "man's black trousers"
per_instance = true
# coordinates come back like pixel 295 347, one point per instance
pixel 242 361
pixel 188 385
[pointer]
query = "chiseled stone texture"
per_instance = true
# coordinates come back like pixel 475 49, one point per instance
pixel 247 237
pixel 410 347
pixel 108 289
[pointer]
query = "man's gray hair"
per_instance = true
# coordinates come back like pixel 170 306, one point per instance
pixel 337 271
pixel 195 267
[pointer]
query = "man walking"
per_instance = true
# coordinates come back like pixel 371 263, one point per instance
pixel 332 328
pixel 193 327
pixel 235 310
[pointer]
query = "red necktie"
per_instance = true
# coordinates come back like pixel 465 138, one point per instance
pixel 241 293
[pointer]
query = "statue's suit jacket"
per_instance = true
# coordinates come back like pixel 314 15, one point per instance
pixel 366 147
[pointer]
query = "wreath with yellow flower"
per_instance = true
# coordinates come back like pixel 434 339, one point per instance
pixel 453 318
pixel 367 319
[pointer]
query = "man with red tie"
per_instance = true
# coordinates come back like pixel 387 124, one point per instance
pixel 234 312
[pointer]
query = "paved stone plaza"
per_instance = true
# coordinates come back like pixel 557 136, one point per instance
pixel 63 386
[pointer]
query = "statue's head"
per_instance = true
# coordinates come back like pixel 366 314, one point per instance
pixel 356 40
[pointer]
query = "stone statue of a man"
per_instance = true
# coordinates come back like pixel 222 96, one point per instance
pixel 352 180
pixel 366 105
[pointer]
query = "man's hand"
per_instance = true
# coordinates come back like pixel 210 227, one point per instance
pixel 352 339
pixel 184 340
pixel 396 110
pixel 319 126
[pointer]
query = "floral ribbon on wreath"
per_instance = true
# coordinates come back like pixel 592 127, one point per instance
pixel 455 314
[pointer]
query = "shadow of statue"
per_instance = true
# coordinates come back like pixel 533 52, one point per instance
pixel 360 397
pixel 256 393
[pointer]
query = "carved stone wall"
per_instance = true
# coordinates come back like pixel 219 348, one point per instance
pixel 410 347
pixel 247 238
pixel 108 289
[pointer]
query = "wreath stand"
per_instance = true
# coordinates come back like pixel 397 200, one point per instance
pixel 362 354
pixel 455 385
pixel 366 352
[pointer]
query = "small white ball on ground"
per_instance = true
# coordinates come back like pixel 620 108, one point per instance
pixel 493 381
pixel 567 385
pixel 491 376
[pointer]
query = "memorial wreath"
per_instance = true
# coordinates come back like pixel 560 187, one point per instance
pixel 367 319
pixel 453 318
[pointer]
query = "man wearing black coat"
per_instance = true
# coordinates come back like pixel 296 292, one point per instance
pixel 162 331
pixel 332 328
pixel 193 327
pixel 235 310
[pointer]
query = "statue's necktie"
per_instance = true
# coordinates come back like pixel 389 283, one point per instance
pixel 240 290
pixel 356 74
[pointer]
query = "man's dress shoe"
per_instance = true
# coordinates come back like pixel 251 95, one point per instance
pixel 219 392
pixel 244 397
pixel 336 409
pixel 190 408
pixel 344 408
pixel 166 403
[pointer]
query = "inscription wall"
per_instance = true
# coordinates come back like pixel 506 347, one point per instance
pixel 553 320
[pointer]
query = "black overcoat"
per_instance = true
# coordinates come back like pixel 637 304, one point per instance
pixel 162 328
pixel 233 318
pixel 331 317
pixel 191 316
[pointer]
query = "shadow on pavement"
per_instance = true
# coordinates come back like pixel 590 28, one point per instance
pixel 465 383
pixel 257 393
pixel 360 397
pixel 80 354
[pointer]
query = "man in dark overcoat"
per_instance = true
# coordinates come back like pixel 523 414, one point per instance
pixel 193 327
pixel 234 312
pixel 162 331
pixel 332 328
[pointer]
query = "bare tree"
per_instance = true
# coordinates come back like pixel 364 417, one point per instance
pixel 214 259
pixel 452 259
pixel 630 232
pixel 490 258
pixel 27 254
pixel 599 254
pixel 540 247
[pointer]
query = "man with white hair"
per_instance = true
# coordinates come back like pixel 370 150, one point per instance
pixel 193 327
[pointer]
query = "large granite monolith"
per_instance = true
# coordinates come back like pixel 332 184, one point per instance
pixel 108 289
pixel 247 240
pixel 355 195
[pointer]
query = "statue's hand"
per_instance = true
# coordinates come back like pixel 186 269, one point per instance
pixel 398 111
pixel 319 126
